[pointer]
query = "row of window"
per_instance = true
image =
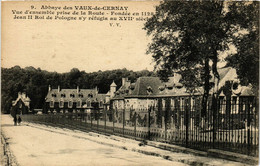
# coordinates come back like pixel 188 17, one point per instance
pixel 235 106
pixel 73 95
pixel 70 104
pixel 147 103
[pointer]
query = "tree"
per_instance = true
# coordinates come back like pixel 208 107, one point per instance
pixel 35 82
pixel 187 37
pixel 246 60
pixel 73 77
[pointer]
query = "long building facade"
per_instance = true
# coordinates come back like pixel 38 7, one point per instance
pixel 73 100
pixel 167 102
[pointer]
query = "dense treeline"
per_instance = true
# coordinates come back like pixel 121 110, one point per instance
pixel 35 82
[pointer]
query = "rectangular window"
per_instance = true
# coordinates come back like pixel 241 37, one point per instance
pixel 51 104
pixel 172 103
pixel 163 103
pixel 70 104
pixel 78 103
pixel 192 102
pixel 101 104
pixel 182 104
pixel 61 104
pixel 88 103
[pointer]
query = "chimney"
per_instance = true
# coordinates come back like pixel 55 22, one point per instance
pixel 123 81
pixel 96 90
pixel 49 88
pixel 19 94
pixel 58 89
pixel 77 89
pixel 127 83
pixel 23 95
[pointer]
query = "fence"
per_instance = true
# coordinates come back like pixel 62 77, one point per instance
pixel 229 124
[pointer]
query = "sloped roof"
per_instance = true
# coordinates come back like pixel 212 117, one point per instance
pixel 143 83
pixel 123 90
pixel 154 87
pixel 101 97
pixel 25 99
pixel 73 95
pixel 113 84
pixel 225 74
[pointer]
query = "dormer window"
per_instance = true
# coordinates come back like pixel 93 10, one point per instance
pixel 179 85
pixel 53 95
pixel 90 95
pixel 81 95
pixel 170 87
pixel 149 90
pixel 63 95
pixel 161 88
pixel 132 86
pixel 72 95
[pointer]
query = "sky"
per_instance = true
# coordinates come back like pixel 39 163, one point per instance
pixel 60 45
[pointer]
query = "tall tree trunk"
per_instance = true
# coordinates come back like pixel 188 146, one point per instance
pixel 206 87
pixel 214 65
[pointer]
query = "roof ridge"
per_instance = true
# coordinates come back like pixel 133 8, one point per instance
pixel 228 70
pixel 73 89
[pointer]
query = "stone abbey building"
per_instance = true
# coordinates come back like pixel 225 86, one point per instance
pixel 73 100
